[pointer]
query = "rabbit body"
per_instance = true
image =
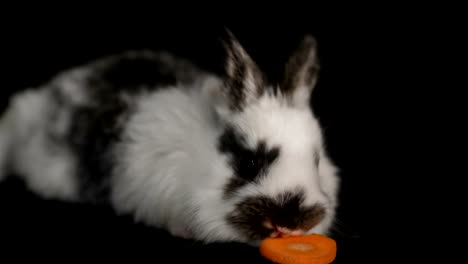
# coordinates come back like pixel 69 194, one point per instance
pixel 206 157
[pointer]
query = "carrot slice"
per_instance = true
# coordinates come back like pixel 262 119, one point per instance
pixel 309 249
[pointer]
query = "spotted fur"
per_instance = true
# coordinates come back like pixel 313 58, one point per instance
pixel 207 157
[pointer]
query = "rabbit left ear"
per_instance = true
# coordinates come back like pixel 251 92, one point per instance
pixel 245 81
pixel 301 73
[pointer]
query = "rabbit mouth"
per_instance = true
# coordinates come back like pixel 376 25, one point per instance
pixel 278 231
pixel 259 217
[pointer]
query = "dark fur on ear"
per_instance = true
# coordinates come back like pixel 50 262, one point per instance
pixel 301 73
pixel 244 80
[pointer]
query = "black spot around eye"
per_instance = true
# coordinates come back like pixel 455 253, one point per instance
pixel 272 155
pixel 258 162
pixel 249 165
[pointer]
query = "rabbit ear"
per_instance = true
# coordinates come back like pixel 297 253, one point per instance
pixel 301 73
pixel 244 80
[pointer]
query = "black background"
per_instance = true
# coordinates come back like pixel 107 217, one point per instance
pixel 344 100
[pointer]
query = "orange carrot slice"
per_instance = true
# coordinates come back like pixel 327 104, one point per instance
pixel 309 249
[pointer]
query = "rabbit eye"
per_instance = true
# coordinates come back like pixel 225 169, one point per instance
pixel 252 163
pixel 249 163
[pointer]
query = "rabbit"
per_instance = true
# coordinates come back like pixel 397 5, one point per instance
pixel 205 156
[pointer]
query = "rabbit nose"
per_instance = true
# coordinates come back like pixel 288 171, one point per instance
pixel 285 232
pixel 278 231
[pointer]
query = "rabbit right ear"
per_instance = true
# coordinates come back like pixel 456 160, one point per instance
pixel 244 81
pixel 301 73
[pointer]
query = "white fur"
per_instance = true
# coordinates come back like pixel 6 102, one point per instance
pixel 71 84
pixel 172 176
pixel 47 167
pixel 329 183
pixel 25 129
pixel 170 173
pixel 298 134
pixel 170 168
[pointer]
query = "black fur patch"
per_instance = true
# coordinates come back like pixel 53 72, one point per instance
pixel 235 84
pixel 285 210
pixel 97 127
pixel 248 164
pixel 239 65
pixel 302 67
pixel 133 73
pixel 93 133
pixel 130 73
